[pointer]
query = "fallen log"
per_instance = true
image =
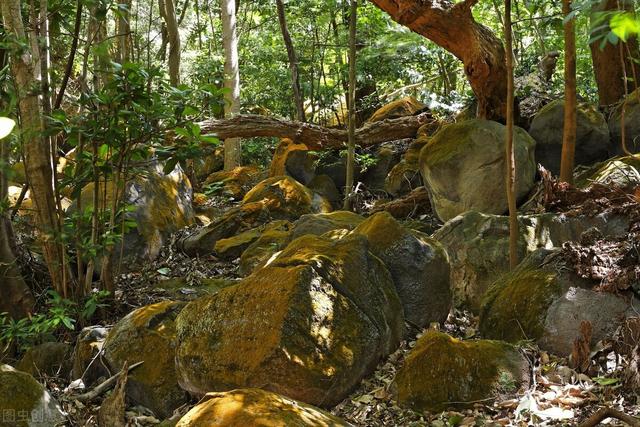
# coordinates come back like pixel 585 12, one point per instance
pixel 314 136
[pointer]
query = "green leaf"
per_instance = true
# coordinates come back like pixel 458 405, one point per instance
pixel 624 25
pixel 6 126
pixel 164 271
pixel 605 381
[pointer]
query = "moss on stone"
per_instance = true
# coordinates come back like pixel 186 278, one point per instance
pixel 514 308
pixel 402 107
pixel 442 372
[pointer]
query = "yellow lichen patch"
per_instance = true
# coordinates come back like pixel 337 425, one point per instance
pixel 442 372
pixel 254 407
pixel 515 306
pixel 285 197
pixel 148 335
pixel 402 107
pixel 233 247
pixel 236 182
pixel 279 163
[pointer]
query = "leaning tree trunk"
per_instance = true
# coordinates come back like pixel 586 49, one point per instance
pixel 452 27
pixel 168 13
pixel 293 61
pixel 509 151
pixel 353 21
pixel 37 153
pixel 607 62
pixel 232 79
pixel 570 98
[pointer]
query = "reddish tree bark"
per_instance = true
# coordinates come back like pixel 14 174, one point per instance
pixel 452 27
pixel 607 62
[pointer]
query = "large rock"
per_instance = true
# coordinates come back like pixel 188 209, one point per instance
pixel 442 372
pixel 623 172
pixel 284 149
pixel 50 358
pixel 255 407
pixel 271 241
pixel 24 402
pixel 545 301
pixel 278 198
pixel 464 167
pixel 310 325
pixel 85 361
pixel 148 334
pixel 405 176
pixel 408 106
pixel 235 182
pixel 286 198
pixel 592 137
pixel 162 204
pixel 386 157
pixel 318 224
pixel 419 267
pixel 478 245
pixel 631 125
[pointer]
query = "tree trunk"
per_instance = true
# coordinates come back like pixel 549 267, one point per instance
pixel 232 150
pixel 607 62
pixel 15 296
pixel 353 21
pixel 570 114
pixel 509 152
pixel 37 153
pixel 123 32
pixel 315 137
pixel 452 27
pixel 293 62
pixel 168 13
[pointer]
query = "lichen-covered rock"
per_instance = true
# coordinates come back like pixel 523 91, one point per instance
pixel 24 402
pixel 478 245
pixel 286 198
pixel 544 301
pixel 232 247
pixel 623 172
pixel 235 182
pixel 213 162
pixel 318 224
pixel 400 108
pixel 301 166
pixel 148 334
pixel 592 137
pixel 464 167
pixel 163 205
pixel 405 176
pixel 324 186
pixel 85 363
pixel 419 267
pixel 284 149
pixel 50 358
pixel 255 407
pixel 182 289
pixel 310 325
pixel 631 125
pixel 442 372
pixel 386 157
pixel 271 241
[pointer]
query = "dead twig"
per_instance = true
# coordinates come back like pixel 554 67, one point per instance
pixel 104 386
pixel 607 412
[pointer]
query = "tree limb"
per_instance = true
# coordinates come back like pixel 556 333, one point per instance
pixel 605 413
pixel 104 386
pixel 315 137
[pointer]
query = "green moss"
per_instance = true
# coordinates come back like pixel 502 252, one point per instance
pixel 18 392
pixel 443 372
pixel 514 308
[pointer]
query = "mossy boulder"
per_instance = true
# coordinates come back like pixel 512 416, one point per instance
pixel 442 372
pixel 419 267
pixel 318 224
pixel 180 289
pixel 232 247
pixel 272 240
pixel 255 407
pixel 148 334
pixel 324 186
pixel 408 106
pixel 464 167
pixel 235 182
pixel 478 245
pixel 284 149
pixel 405 176
pixel 623 172
pixel 386 157
pixel 542 300
pixel 24 402
pixel 592 135
pixel 85 363
pixel 162 204
pixel 50 358
pixel 213 162
pixel 286 198
pixel 310 325
pixel 631 125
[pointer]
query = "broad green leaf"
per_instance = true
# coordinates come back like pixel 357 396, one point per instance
pixel 624 25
